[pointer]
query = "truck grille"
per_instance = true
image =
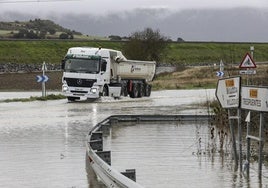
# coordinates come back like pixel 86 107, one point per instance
pixel 75 82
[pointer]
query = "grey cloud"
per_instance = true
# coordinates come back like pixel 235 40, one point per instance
pixel 237 25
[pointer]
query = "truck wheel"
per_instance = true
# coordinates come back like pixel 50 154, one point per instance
pixel 135 91
pixel 124 91
pixel 141 90
pixel 147 90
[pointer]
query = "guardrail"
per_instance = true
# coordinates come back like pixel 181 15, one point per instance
pixel 100 160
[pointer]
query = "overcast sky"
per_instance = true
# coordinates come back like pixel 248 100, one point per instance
pixel 192 20
pixel 100 7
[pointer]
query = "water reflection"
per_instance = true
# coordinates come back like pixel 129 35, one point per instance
pixel 168 155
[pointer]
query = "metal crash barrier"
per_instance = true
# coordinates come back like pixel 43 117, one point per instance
pixel 100 160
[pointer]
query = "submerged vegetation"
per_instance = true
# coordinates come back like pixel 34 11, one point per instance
pixel 48 97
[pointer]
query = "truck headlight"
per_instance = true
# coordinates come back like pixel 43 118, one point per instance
pixel 93 90
pixel 64 88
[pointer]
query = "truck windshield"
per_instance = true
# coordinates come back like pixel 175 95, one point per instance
pixel 82 66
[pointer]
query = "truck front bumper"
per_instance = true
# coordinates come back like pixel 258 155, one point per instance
pixel 82 93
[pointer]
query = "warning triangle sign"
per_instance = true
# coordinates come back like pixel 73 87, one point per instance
pixel 247 62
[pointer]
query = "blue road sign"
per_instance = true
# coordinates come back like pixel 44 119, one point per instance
pixel 220 73
pixel 42 78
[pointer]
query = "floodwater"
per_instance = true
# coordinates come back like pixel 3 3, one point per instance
pixel 42 143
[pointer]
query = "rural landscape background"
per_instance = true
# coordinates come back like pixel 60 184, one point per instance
pixel 26 45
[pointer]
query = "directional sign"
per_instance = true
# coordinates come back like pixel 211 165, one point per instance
pixel 228 92
pixel 220 73
pixel 247 62
pixel 247 71
pixel 42 78
pixel 254 98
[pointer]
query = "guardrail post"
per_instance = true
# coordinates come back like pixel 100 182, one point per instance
pixel 105 156
pixel 96 136
pixel 96 145
pixel 130 173
pixel 105 129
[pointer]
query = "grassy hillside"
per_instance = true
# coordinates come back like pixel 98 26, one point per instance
pixel 36 51
pixel 203 53
pixel 52 51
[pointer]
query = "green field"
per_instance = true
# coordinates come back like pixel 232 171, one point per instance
pixel 52 51
pixel 36 51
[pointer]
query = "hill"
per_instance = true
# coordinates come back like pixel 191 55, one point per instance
pixel 35 29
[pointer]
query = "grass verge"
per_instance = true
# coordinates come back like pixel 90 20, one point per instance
pixel 48 97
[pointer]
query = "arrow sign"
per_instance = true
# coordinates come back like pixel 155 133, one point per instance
pixel 43 78
pixel 220 73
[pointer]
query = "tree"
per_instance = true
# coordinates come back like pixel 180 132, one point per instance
pixel 21 34
pixel 115 37
pixel 63 36
pixel 180 39
pixel 145 45
pixel 31 35
pixel 52 31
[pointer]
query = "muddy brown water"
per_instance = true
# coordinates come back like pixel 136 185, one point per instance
pixel 43 143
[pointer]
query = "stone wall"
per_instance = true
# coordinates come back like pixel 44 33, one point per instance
pixel 13 67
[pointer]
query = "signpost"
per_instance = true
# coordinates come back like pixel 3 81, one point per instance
pixel 254 98
pixel 247 63
pixel 247 71
pixel 228 92
pixel 220 73
pixel 43 79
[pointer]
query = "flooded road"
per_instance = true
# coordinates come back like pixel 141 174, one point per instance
pixel 43 143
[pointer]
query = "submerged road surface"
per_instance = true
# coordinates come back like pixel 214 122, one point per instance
pixel 43 143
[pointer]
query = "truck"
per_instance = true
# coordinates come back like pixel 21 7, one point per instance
pixel 90 73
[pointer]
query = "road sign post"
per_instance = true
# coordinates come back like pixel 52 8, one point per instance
pixel 220 73
pixel 44 68
pixel 228 94
pixel 43 79
pixel 247 63
pixel 255 99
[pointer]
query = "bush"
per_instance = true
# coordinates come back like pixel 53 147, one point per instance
pixel 146 45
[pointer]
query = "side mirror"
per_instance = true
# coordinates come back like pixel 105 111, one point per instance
pixel 62 64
